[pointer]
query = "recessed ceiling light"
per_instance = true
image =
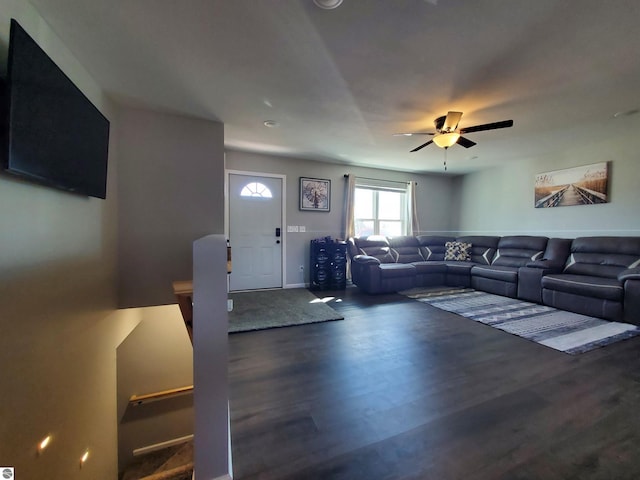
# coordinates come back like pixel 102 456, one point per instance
pixel 270 123
pixel 626 113
pixel 327 4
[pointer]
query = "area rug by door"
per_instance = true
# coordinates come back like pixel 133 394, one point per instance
pixel 262 309
pixel 564 331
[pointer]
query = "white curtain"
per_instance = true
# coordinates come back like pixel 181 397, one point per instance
pixel 414 225
pixel 348 227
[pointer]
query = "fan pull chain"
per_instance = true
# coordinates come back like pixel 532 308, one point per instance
pixel 445 158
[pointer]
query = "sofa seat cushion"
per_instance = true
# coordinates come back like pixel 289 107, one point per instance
pixel 426 268
pixel 459 268
pixel 495 272
pixel 585 285
pixel 395 270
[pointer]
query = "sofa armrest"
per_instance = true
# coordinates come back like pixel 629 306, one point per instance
pixel 365 260
pixel 549 265
pixel 629 274
pixel 630 279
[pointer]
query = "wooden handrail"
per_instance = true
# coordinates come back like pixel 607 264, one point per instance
pixel 136 400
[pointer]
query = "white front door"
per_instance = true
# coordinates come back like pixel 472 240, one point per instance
pixel 255 231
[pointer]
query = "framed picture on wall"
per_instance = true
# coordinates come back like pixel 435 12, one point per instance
pixel 585 185
pixel 315 194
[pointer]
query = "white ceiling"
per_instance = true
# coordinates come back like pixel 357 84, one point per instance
pixel 341 82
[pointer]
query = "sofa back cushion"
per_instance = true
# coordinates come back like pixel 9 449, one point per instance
pixel 406 249
pixel 518 250
pixel 603 256
pixel 432 246
pixel 558 250
pixel 483 247
pixel 374 246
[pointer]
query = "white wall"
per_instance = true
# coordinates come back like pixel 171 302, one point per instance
pixel 500 201
pixel 172 183
pixel 57 307
pixel 434 197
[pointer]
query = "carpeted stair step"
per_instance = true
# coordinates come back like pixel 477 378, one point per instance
pixel 171 463
pixel 183 472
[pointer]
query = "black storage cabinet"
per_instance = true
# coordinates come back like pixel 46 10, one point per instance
pixel 328 261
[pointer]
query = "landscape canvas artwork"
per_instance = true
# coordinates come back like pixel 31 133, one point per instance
pixel 585 185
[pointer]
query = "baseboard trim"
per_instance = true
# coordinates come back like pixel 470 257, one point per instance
pixel 296 285
pixel 159 446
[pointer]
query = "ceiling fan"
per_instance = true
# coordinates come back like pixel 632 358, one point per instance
pixel 448 134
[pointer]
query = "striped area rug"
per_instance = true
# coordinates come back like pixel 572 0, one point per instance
pixel 564 331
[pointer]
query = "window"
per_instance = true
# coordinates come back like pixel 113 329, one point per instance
pixel 380 211
pixel 256 189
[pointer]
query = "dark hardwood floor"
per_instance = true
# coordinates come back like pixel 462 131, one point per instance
pixel 401 390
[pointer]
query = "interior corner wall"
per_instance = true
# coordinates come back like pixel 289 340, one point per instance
pixel 58 291
pixel 171 192
pixel 500 201
pixel 434 199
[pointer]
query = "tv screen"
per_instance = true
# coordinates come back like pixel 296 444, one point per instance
pixel 54 134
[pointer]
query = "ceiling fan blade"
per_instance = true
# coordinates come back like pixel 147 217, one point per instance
pixel 451 121
pixel 422 146
pixel 487 126
pixel 465 142
pixel 411 134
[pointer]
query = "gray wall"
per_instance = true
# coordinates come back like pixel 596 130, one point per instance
pixel 171 191
pixel 172 183
pixel 500 200
pixel 57 308
pixel 434 197
pixel 156 356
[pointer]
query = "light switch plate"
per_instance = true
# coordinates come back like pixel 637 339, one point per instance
pixel 303 228
pixel 292 228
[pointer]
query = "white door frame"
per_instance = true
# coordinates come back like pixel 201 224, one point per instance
pixel 283 228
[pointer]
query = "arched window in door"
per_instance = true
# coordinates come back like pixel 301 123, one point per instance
pixel 255 189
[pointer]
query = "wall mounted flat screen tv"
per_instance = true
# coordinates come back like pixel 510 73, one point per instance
pixel 53 133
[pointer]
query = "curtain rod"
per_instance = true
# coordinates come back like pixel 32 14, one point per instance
pixel 379 179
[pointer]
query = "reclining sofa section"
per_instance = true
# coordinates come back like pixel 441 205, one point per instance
pixel 596 276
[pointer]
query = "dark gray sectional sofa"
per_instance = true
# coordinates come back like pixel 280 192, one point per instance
pixel 596 276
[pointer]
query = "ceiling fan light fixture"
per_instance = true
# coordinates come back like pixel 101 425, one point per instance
pixel 445 140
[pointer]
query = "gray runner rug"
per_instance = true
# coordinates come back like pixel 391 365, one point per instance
pixel 262 309
pixel 564 331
